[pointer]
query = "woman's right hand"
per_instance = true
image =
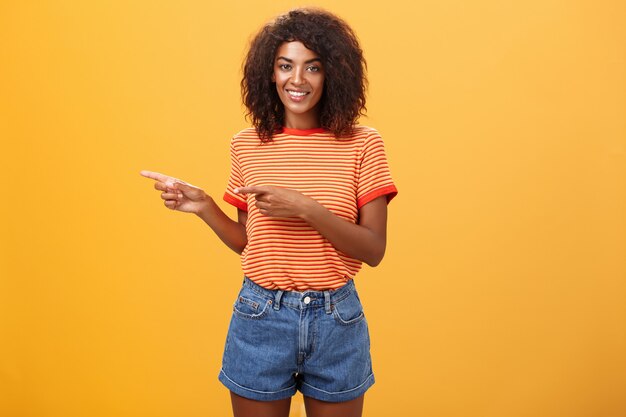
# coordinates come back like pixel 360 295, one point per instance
pixel 178 194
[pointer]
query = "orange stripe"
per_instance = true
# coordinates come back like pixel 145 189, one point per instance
pixel 341 174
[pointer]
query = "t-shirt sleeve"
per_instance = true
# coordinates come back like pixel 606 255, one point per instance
pixel 235 180
pixel 374 177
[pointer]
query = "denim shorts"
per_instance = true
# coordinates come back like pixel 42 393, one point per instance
pixel 316 342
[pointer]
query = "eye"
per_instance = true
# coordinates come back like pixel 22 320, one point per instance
pixel 284 67
pixel 314 69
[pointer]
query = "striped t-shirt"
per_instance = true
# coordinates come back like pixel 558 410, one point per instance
pixel 341 174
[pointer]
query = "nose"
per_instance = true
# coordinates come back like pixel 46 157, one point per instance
pixel 298 78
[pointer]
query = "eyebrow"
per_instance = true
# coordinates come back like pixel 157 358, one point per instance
pixel 306 62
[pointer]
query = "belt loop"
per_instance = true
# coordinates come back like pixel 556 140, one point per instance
pixel 327 302
pixel 279 295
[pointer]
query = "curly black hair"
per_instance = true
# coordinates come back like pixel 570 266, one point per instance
pixel 345 80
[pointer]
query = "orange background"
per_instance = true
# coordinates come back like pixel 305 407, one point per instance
pixel 502 293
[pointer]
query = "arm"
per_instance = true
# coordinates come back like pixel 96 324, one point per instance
pixel 232 233
pixel 364 241
pixel 182 196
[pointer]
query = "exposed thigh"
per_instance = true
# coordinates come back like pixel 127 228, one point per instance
pixel 317 408
pixel 244 407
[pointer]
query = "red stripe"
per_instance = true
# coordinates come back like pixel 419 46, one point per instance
pixel 341 174
pixel 232 200
pixel 390 190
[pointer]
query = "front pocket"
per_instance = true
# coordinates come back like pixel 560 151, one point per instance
pixel 253 304
pixel 348 311
pixel 248 308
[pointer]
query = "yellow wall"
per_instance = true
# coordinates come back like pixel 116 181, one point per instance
pixel 502 293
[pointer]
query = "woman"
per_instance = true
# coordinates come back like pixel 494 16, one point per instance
pixel 311 188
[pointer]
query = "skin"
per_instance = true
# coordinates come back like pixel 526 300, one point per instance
pixel 244 407
pixel 297 68
pixel 364 240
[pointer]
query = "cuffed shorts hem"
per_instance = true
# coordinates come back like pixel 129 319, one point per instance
pixel 255 394
pixel 337 397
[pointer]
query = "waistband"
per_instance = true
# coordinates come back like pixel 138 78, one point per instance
pixel 304 299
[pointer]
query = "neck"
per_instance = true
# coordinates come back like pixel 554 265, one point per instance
pixel 302 121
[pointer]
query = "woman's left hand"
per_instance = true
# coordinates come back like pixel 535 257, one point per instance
pixel 277 201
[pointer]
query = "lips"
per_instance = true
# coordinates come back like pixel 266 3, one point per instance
pixel 297 92
pixel 297 96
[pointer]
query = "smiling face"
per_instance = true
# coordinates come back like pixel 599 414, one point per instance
pixel 299 79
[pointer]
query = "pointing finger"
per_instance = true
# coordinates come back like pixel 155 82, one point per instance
pixel 251 190
pixel 155 175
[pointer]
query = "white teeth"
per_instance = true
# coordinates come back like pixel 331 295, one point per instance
pixel 297 93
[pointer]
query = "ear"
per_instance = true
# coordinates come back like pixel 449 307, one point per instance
pixel 273 78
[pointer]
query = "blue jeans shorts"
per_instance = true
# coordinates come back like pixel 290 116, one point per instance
pixel 316 342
